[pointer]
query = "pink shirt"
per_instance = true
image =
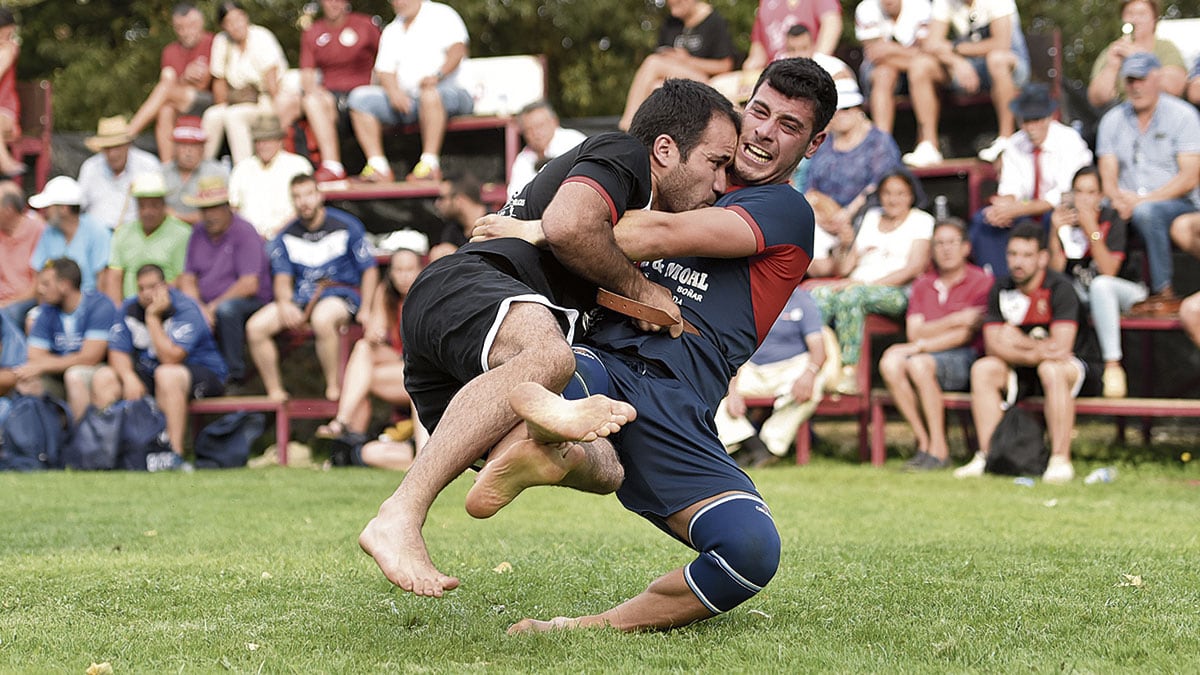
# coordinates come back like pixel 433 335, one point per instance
pixel 16 251
pixel 775 17
pixel 932 300
pixel 176 56
pixel 345 56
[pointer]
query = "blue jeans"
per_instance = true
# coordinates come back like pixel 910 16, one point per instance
pixel 231 333
pixel 1153 222
pixel 1107 297
pixel 989 244
pixel 373 100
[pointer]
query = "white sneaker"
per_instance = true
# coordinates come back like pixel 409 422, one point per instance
pixel 1059 470
pixel 992 152
pixel 925 154
pixel 973 468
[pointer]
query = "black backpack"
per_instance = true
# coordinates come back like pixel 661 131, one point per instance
pixel 1018 445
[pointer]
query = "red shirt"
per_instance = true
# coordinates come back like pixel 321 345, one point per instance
pixel 775 17
pixel 178 57
pixel 344 56
pixel 8 97
pixel 932 300
pixel 16 251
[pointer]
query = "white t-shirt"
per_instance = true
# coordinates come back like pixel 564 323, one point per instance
pixel 880 253
pixel 525 167
pixel 872 23
pixel 417 50
pixel 245 67
pixel 263 194
pixel 964 16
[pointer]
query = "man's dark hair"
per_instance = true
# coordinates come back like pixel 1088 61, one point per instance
pixel 12 196
pixel 952 221
pixel 1028 229
pixel 302 178
pixel 225 8
pixel 468 185
pixel 803 78
pixel 797 30
pixel 67 270
pixel 1089 170
pixel 537 105
pixel 183 9
pixel 682 110
pixel 151 268
pixel 6 17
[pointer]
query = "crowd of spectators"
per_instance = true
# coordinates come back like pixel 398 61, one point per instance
pixel 170 269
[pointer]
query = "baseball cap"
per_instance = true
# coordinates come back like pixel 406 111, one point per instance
pixel 62 190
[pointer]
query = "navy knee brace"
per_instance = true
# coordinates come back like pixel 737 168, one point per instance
pixel 739 551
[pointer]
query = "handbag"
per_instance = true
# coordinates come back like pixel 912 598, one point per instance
pixel 247 94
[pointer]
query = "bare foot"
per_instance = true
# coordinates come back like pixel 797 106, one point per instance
pixel 553 419
pixel 536 626
pixel 279 395
pixel 332 393
pixel 399 550
pixel 517 466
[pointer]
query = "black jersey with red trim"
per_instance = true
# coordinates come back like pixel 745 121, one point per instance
pixel 732 302
pixel 617 166
pixel 1055 301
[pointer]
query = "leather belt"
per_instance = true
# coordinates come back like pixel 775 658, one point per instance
pixel 638 310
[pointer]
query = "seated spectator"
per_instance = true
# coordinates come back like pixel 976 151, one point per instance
pixel 226 271
pixel 155 238
pixel 1035 332
pixel 319 263
pixel 105 177
pixel 417 68
pixel 1088 242
pixel 988 54
pixel 10 104
pixel 768 36
pixel 1139 20
pixel 68 339
pixel 1039 164
pixel 69 233
pixel 183 173
pixel 258 185
pixel 693 44
pixel 20 231
pixel 890 249
pixel 337 53
pixel 737 86
pixel 1193 85
pixel 890 32
pixel 184 81
pixel 942 329
pixel 846 170
pixel 247 69
pixel 459 205
pixel 160 346
pixel 376 367
pixel 790 366
pixel 544 140
pixel 12 353
pixel 1149 155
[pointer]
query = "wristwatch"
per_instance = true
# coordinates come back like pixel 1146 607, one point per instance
pixel 1096 236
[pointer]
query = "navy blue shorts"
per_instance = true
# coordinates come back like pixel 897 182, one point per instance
pixel 671 453
pixel 205 383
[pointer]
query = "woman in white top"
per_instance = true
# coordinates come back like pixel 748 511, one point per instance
pixel 877 265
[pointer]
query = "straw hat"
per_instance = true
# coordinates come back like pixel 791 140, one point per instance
pixel 266 128
pixel 110 132
pixel 210 191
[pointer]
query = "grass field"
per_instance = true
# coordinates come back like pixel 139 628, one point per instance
pixel 250 571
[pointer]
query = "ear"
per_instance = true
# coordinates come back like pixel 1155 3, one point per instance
pixel 814 143
pixel 664 152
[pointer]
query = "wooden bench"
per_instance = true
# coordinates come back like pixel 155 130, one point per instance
pixel 37 123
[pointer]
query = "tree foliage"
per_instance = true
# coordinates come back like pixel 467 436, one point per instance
pixel 102 55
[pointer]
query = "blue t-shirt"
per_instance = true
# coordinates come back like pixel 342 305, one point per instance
pixel 89 249
pixel 12 344
pixel 61 333
pixel 732 302
pixel 1148 160
pixel 799 319
pixel 336 252
pixel 184 324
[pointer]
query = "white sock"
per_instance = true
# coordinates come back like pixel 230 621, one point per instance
pixel 335 167
pixel 431 160
pixel 379 163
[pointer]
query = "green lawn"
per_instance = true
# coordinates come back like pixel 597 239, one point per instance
pixel 251 571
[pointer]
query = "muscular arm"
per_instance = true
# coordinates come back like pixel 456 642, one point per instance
pixel 710 232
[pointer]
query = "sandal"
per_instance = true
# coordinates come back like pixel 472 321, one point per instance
pixel 335 428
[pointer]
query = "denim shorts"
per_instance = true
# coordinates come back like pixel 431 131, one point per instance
pixel 954 367
pixel 1020 74
pixel 373 100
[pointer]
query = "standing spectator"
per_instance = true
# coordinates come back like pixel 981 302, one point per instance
pixel 942 327
pixel 247 68
pixel 320 262
pixel 155 238
pixel 160 346
pixel 417 67
pixel 20 231
pixel 69 337
pixel 459 204
pixel 1087 242
pixel 544 140
pixel 184 80
pixel 10 104
pixel 336 55
pixel 12 353
pixel 1039 164
pixel 1035 333
pixel 789 366
pixel 878 263
pixel 105 177
pixel 890 32
pixel 1149 156
pixel 69 233
pixel 988 53
pixel 1140 19
pixel 845 171
pixel 258 185
pixel 768 37
pixel 225 271
pixel 693 43
pixel 183 174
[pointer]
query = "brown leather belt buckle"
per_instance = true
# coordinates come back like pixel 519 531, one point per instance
pixel 640 311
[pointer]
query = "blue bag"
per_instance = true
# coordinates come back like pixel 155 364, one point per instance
pixel 225 443
pixel 34 433
pixel 144 444
pixel 96 442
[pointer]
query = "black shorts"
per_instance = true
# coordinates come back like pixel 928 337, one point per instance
pixel 451 317
pixel 205 383
pixel 1029 384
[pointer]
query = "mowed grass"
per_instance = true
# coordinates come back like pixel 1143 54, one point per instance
pixel 250 571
